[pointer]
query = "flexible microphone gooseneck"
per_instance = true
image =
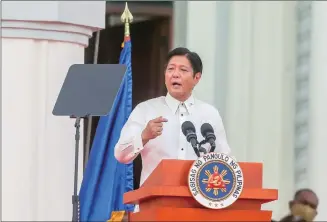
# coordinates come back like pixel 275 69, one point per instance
pixel 209 135
pixel 202 149
pixel 188 130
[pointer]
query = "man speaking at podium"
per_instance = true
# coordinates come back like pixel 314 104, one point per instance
pixel 154 128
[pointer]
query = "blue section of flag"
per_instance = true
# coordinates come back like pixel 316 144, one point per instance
pixel 105 179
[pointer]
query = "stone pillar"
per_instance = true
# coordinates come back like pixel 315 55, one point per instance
pixel 40 41
pixel 180 22
pixel 248 51
pixel 205 30
pixel 260 92
pixel 201 37
pixel 318 107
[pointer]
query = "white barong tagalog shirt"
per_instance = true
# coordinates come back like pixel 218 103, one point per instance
pixel 172 143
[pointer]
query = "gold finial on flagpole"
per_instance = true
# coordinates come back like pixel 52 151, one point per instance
pixel 126 18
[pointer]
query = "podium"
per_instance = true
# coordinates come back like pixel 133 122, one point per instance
pixel 165 196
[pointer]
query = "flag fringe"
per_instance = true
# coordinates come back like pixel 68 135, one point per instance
pixel 116 216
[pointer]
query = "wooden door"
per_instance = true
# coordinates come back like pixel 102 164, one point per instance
pixel 150 44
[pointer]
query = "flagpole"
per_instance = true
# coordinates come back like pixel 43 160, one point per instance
pixel 100 188
pixel 89 118
pixel 126 18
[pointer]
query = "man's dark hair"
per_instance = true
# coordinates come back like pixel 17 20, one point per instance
pixel 193 57
pixel 300 191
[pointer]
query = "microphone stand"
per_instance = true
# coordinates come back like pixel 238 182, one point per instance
pixel 201 149
pixel 191 138
pixel 196 150
pixel 213 147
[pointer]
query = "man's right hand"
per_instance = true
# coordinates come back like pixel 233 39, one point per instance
pixel 153 129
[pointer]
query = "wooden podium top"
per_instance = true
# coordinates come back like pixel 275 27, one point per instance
pixel 170 179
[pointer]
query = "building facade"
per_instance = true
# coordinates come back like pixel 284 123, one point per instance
pixel 264 69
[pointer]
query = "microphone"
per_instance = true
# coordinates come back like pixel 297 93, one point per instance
pixel 188 130
pixel 209 135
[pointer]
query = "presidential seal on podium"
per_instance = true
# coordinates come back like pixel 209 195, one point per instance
pixel 215 180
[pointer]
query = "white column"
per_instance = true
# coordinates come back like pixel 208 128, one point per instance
pixel 40 41
pixel 318 107
pixel 201 19
pixel 248 51
pixel 302 94
pixel 180 23
pixel 259 109
pixel 207 34
pixel 203 27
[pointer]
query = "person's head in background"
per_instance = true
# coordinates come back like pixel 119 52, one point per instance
pixel 183 72
pixel 304 206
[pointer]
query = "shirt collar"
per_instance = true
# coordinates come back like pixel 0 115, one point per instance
pixel 174 103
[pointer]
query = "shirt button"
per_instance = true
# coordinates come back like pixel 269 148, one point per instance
pixel 182 149
pixel 182 115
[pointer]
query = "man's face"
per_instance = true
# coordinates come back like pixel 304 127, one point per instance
pixel 305 205
pixel 180 78
pixel 307 198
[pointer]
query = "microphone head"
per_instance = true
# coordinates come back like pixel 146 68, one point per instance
pixel 206 128
pixel 187 126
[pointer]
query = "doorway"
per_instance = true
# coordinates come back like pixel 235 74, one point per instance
pixel 150 36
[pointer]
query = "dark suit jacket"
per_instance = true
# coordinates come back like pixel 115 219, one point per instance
pixel 290 218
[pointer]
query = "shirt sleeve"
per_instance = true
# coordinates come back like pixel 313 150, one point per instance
pixel 130 142
pixel 221 138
